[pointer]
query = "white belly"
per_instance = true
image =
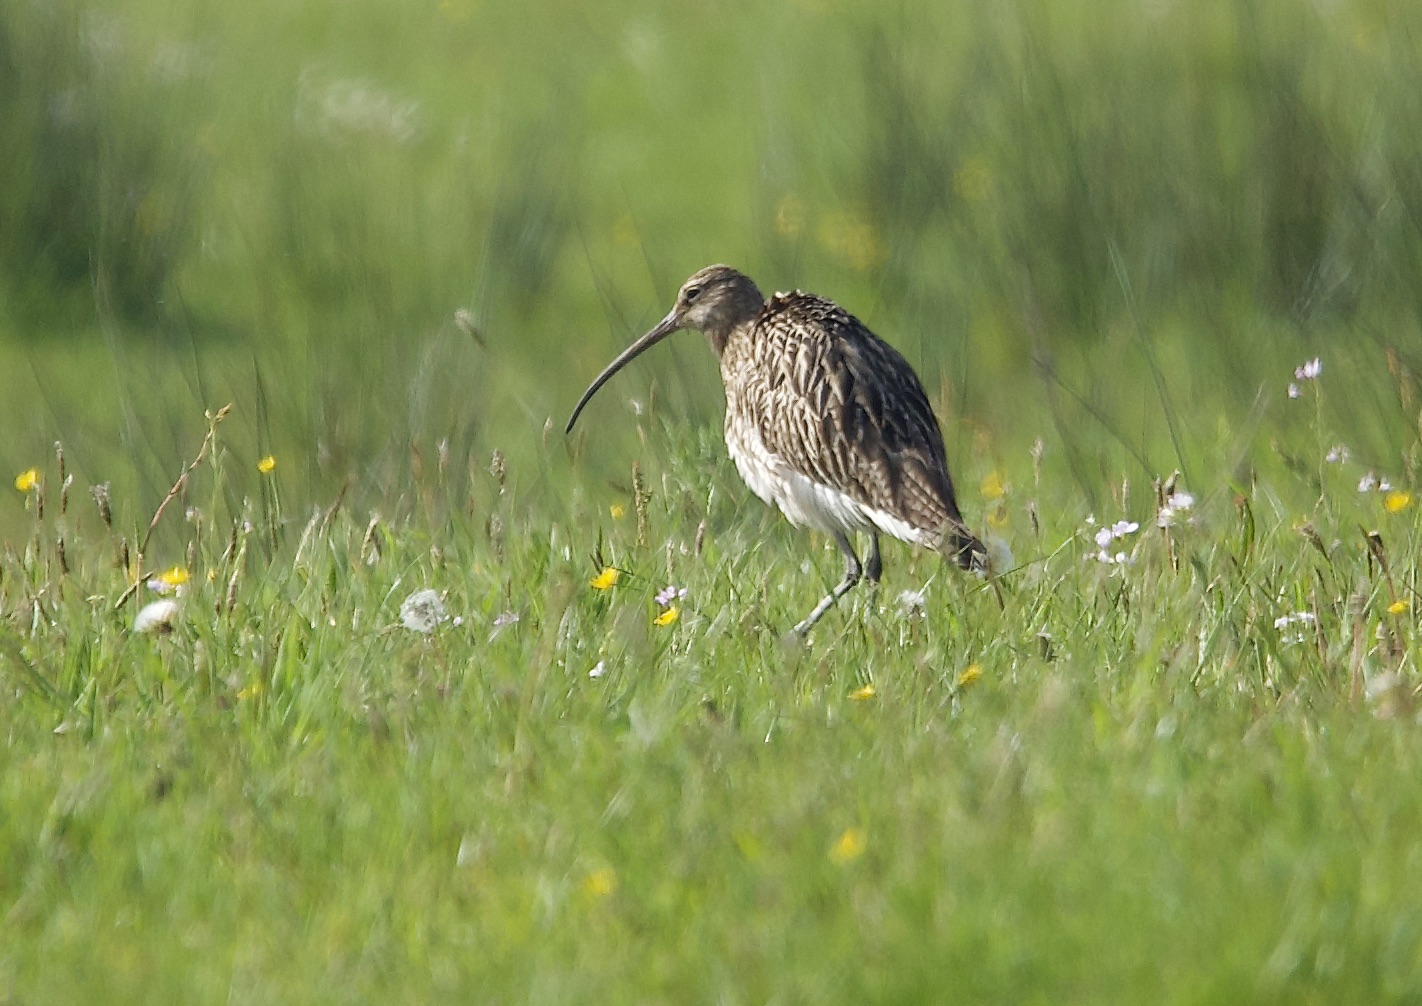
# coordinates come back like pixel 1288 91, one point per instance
pixel 802 500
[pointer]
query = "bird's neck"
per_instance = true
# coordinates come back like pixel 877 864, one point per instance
pixel 742 321
pixel 718 336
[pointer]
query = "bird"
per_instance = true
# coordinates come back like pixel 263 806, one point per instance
pixel 824 420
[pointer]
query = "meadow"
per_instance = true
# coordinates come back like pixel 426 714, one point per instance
pixel 441 704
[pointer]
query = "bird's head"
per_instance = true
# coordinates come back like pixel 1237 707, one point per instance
pixel 714 301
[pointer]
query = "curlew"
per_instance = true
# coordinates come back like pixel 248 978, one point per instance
pixel 823 419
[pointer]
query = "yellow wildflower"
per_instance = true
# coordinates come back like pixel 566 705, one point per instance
pixel 606 579
pixel 618 511
pixel 851 238
pixel 175 577
pixel 455 13
pixel 668 617
pixel 789 217
pixel 28 480
pixel 250 692
pixel 848 847
pixel 970 674
pixel 600 882
pixel 750 848
pixel 973 181
pixel 1398 607
pixel 993 487
pixel 997 517
pixel 863 692
pixel 267 465
pixel 625 232
pixel 1397 501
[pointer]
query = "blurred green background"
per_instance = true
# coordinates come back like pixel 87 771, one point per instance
pixel 1115 226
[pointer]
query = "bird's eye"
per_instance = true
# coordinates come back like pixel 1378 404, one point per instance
pixel 692 292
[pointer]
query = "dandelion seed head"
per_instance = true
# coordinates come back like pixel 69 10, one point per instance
pixel 912 603
pixel 159 616
pixel 999 552
pixel 423 611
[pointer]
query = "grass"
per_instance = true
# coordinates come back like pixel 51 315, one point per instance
pixel 1128 784
pixel 399 240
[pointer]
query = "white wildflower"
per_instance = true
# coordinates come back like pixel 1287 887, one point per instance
pixel 1176 504
pixel 1338 454
pixel 1309 371
pixel 1106 535
pixel 599 669
pixel 1292 627
pixel 1294 391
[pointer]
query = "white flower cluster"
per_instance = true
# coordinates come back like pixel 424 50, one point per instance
pixel 1371 482
pixel 1107 535
pixel 1177 506
pixel 1292 627
pixel 1305 372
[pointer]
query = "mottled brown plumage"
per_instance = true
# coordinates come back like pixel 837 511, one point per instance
pixel 823 419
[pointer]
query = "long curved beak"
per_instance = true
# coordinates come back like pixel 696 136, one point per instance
pixel 664 328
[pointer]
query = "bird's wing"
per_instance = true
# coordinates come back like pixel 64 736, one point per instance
pixel 843 408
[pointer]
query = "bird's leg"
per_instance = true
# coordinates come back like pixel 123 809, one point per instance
pixel 874 568
pixel 852 572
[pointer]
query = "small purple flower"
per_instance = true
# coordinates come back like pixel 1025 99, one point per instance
pixel 668 594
